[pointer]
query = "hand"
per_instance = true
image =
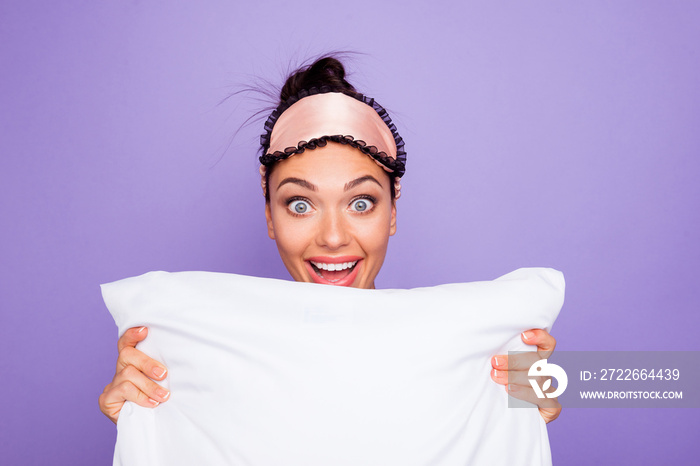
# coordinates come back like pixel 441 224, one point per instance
pixel 518 365
pixel 132 380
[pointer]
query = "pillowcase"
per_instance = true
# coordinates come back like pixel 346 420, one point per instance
pixel 273 372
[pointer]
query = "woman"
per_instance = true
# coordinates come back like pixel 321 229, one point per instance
pixel 330 205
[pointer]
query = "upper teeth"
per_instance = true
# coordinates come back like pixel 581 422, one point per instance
pixel 332 267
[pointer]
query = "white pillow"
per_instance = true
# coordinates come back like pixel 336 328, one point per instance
pixel 272 372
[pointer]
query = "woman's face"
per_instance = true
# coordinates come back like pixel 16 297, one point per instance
pixel 331 215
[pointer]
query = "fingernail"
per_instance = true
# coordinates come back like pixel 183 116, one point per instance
pixel 528 335
pixel 161 392
pixel 141 329
pixel 512 388
pixel 495 373
pixel 496 361
pixel 153 402
pixel 159 371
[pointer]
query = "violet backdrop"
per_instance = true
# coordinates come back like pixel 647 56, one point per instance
pixel 545 133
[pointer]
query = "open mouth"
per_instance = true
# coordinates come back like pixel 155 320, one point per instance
pixel 333 273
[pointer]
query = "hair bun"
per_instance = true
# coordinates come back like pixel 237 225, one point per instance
pixel 326 71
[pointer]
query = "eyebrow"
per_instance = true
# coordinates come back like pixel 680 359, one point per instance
pixel 311 187
pixel 299 181
pixel 360 180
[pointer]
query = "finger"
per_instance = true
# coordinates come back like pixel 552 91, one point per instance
pixel 551 413
pixel 542 339
pixel 145 385
pixel 516 377
pixel 113 398
pixel 519 361
pixel 549 408
pixel 131 337
pixel 110 405
pixel 132 357
pixel 526 393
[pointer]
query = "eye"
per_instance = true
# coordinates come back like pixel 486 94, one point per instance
pixel 361 205
pixel 299 206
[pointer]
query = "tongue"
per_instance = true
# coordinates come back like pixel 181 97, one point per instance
pixel 334 275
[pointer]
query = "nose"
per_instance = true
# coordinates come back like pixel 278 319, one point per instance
pixel 333 231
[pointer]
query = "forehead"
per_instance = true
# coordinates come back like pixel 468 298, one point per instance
pixel 334 162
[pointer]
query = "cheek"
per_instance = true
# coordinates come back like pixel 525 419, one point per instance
pixel 292 236
pixel 376 236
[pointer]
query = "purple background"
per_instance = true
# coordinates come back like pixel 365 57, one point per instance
pixel 544 133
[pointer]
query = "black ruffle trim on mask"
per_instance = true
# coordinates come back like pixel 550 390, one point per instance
pixel 397 166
